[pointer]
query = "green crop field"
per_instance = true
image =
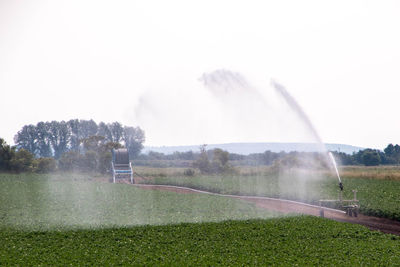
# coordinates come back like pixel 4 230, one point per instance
pixel 76 219
pixel 378 187
pixel 46 202
pixel 287 242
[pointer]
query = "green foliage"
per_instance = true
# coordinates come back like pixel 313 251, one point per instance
pixel 45 165
pixel 368 157
pixel 26 138
pixel 95 158
pixel 6 154
pixel 70 161
pixel 297 241
pixel 393 154
pixel 188 172
pixel 377 197
pixel 202 162
pixel 219 163
pixel 371 157
pixel 44 138
pixel 22 161
pixel 133 138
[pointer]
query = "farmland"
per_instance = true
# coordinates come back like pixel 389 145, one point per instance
pixel 378 187
pixel 289 241
pixel 45 202
pixel 80 219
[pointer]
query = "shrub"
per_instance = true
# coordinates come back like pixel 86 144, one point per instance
pixel 22 161
pixel 6 154
pixel 46 165
pixel 219 163
pixel 70 161
pixel 188 172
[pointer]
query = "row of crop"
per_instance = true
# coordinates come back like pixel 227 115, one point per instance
pixel 286 242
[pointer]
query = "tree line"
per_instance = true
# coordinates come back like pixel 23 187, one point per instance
pixel 53 139
pixel 79 145
pixel 368 157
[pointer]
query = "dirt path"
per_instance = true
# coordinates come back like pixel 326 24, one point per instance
pixel 287 206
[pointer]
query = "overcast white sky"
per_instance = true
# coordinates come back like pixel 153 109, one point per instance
pixel 138 62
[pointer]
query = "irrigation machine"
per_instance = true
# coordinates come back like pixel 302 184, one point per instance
pixel 121 167
pixel 350 206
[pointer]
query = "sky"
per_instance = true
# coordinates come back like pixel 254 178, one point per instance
pixel 143 63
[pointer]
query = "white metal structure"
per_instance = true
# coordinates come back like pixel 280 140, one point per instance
pixel 121 166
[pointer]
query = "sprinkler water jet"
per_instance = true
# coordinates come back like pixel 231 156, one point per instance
pixel 336 169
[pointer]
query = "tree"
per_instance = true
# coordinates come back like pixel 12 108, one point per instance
pixel 92 143
pixel 96 156
pixel 6 154
pixel 59 136
pixel 87 128
pixel 117 131
pixel 103 130
pixel 370 157
pixel 26 138
pixel 397 154
pixel 343 158
pixel 133 138
pixel 219 163
pixel 75 134
pixel 202 163
pixel 43 140
pixel 389 150
pixel 52 139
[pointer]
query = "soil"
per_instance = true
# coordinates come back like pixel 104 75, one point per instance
pixel 285 206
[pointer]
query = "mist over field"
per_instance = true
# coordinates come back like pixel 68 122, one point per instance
pixel 220 107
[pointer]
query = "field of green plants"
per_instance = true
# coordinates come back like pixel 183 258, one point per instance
pixel 45 202
pixel 289 241
pixel 378 187
pixel 76 219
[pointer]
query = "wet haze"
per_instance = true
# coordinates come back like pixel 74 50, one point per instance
pixel 153 64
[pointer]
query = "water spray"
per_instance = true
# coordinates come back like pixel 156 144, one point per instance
pixel 300 112
pixel 352 207
pixel 336 169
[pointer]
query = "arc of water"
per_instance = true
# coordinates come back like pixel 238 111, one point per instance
pixel 303 116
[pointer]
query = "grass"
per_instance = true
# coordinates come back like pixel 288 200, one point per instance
pixel 285 242
pixel 376 173
pixel 44 202
pixel 378 196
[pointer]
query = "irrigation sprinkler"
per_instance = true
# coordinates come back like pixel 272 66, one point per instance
pixel 351 206
pixel 121 167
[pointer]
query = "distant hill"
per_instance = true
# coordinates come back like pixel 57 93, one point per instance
pixel 248 148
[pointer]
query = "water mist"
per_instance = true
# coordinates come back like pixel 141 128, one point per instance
pixel 291 101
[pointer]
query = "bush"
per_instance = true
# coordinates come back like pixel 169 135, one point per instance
pixel 70 161
pixel 6 154
pixel 22 161
pixel 188 172
pixel 46 165
pixel 219 163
